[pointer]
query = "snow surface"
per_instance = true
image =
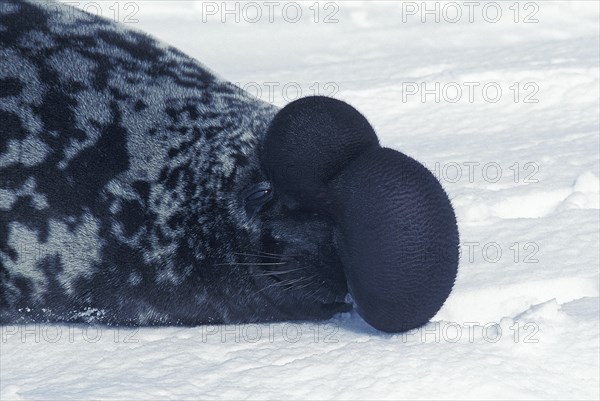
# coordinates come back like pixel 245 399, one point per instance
pixel 528 318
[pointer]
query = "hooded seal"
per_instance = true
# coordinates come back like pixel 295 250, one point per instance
pixel 138 188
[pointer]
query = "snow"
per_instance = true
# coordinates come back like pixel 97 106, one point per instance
pixel 523 319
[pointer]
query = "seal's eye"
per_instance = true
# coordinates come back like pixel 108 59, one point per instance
pixel 259 195
pixel 256 196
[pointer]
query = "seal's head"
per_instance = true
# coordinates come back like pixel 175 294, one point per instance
pixel 340 213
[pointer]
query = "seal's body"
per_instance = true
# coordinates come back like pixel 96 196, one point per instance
pixel 134 187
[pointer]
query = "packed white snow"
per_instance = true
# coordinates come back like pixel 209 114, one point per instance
pixel 500 100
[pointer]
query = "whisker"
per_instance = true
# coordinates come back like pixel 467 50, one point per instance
pixel 302 286
pixel 276 254
pixel 258 256
pixel 312 294
pixel 252 264
pixel 278 272
pixel 282 283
